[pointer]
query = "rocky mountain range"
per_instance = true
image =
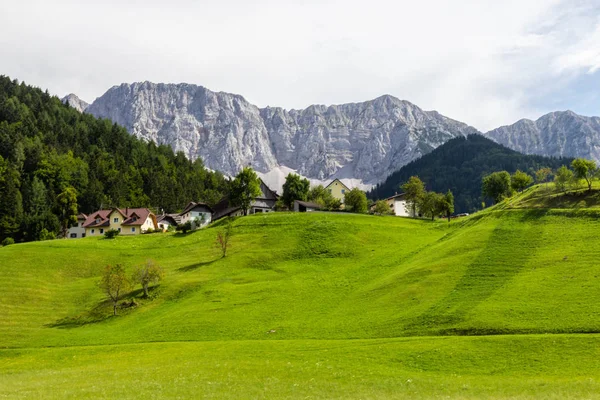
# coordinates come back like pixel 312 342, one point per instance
pixel 364 142
pixel 558 134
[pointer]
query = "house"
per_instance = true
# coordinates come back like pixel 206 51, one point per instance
pixel 77 230
pixel 305 206
pixel 265 202
pixel 399 206
pixel 128 221
pixel 193 212
pixel 166 220
pixel 337 189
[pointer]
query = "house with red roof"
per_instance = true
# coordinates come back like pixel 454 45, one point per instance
pixel 128 221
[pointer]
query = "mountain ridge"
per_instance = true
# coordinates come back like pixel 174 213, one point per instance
pixel 370 139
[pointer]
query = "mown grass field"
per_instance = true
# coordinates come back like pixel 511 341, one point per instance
pixel 503 304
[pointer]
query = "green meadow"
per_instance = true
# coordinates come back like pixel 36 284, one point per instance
pixel 502 304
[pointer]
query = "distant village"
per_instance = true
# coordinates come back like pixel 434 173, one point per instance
pixel 135 221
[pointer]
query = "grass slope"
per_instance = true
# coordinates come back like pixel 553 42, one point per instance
pixel 313 305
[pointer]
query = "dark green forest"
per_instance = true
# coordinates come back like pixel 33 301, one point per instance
pixel 459 165
pixel 52 156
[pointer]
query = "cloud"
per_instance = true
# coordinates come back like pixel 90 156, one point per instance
pixel 480 61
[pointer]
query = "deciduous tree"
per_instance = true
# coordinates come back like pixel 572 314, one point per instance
pixel 497 186
pixel 356 201
pixel 294 188
pixel 223 237
pixel 147 274
pixel 563 178
pixel 244 189
pixel 114 283
pixel 584 169
pixel 381 208
pixel 520 180
pixel 414 191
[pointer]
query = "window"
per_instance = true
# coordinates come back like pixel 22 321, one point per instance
pixel 133 229
pixel 116 220
pixel 73 235
pixel 101 231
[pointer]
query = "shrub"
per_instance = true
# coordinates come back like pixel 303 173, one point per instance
pixel 111 234
pixel 8 241
pixel 47 235
pixel 185 227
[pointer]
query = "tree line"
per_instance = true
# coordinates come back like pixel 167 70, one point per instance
pixel 500 185
pixel 459 165
pixel 56 162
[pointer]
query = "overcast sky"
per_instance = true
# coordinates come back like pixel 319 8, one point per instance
pixel 484 62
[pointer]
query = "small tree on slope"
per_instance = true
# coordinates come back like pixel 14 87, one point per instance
pixel 146 274
pixel 114 283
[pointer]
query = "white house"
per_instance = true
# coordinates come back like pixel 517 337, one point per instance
pixel 399 206
pixel 77 231
pixel 197 212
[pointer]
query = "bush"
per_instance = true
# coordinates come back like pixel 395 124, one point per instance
pixel 111 234
pixel 185 227
pixel 47 235
pixel 8 241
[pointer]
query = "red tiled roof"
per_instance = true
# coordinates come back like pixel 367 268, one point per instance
pixel 133 216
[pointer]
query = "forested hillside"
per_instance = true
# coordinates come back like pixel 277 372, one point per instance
pixel 52 156
pixel 459 165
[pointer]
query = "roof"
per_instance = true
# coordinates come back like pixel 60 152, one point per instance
pixel 132 217
pixel 171 218
pixel 396 196
pixel 308 204
pixel 191 205
pixel 337 180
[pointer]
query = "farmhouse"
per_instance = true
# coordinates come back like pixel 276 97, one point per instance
pixel 305 206
pixel 337 189
pixel 193 212
pixel 265 202
pixel 128 221
pixel 166 220
pixel 77 230
pixel 398 205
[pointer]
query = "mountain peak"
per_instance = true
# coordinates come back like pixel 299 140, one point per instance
pixel 75 102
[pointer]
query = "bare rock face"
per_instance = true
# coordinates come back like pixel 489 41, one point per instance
pixel 558 134
pixel 75 102
pixel 365 141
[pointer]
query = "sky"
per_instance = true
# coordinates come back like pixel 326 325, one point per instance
pixel 484 62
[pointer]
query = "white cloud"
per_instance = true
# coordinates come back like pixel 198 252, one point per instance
pixel 479 61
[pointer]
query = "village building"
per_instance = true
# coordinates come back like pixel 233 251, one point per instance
pixel 265 202
pixel 167 220
pixel 128 221
pixel 199 214
pixel 77 231
pixel 337 189
pixel 399 206
pixel 305 206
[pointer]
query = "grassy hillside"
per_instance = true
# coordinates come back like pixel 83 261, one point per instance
pixel 315 305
